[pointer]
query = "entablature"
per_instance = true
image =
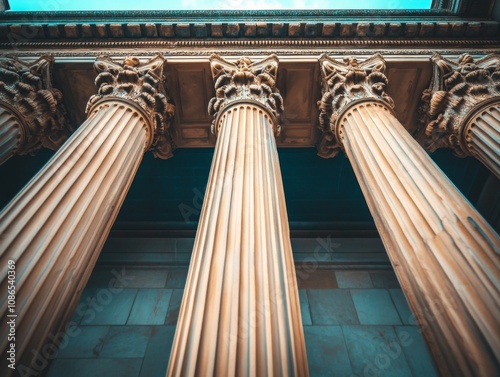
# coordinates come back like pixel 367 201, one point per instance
pixel 441 22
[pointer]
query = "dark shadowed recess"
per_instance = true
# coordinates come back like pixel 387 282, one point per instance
pixel 321 195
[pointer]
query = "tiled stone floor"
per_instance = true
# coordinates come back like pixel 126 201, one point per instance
pixel 356 324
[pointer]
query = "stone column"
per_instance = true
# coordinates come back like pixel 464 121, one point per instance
pixel 444 253
pixel 461 108
pixel 240 314
pixel 10 132
pixel 56 226
pixel 31 111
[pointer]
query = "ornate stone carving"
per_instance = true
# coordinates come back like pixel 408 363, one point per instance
pixel 285 25
pixel 26 89
pixel 242 47
pixel 245 81
pixel 344 84
pixel 144 85
pixel 455 89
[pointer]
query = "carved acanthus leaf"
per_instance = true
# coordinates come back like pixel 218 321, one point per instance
pixel 27 88
pixel 455 88
pixel 143 84
pixel 245 80
pixel 342 84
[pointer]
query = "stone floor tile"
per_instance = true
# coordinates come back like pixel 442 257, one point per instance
pixel 126 341
pixel 416 352
pixel 404 310
pixel 304 307
pixel 109 307
pixel 354 279
pixel 384 279
pixel 177 278
pixel 95 368
pixel 174 307
pixel 326 352
pixel 83 342
pixel 143 278
pixel 331 307
pixel 158 351
pixel 150 307
pixel 375 351
pixel 311 277
pixel 375 307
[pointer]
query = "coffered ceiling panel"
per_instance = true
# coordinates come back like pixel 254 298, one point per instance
pixel 299 86
pixel 76 81
pixel 190 87
pixel 406 84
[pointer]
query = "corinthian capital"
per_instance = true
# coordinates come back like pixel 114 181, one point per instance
pixel 26 90
pixel 244 81
pixel 343 84
pixel 143 85
pixel 455 91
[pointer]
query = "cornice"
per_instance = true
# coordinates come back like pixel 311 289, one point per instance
pixel 224 15
pixel 51 27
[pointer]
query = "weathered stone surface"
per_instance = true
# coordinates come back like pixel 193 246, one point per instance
pixel 116 30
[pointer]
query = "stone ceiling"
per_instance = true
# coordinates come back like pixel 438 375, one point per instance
pixel 191 87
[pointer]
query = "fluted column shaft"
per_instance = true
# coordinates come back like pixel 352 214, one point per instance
pixel 482 136
pixel 10 134
pixel 240 314
pixel 55 228
pixel 444 253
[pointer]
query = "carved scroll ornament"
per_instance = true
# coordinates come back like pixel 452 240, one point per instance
pixel 26 90
pixel 144 85
pixel 456 88
pixel 343 84
pixel 245 81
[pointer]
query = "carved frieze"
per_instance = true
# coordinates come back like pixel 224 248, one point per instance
pixel 345 83
pixel 144 85
pixel 26 89
pixel 244 81
pixel 456 89
pixel 260 47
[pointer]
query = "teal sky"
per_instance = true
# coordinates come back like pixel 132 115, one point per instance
pixel 62 5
